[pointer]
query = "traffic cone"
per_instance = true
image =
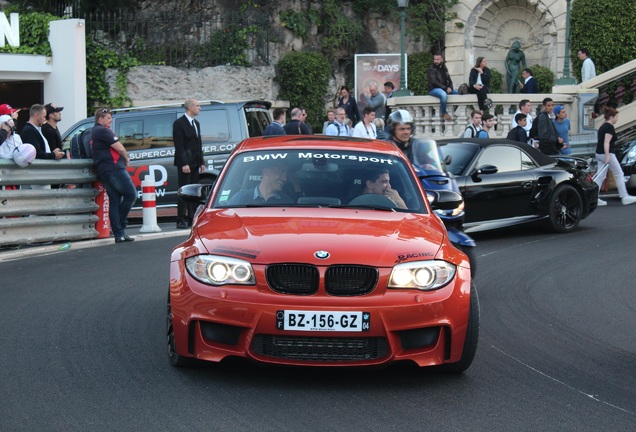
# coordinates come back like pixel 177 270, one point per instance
pixel 149 201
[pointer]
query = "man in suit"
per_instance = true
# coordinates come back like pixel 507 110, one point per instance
pixel 188 157
pixel 32 134
pixel 530 85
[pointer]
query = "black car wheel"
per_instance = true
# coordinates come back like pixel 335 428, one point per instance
pixel 566 208
pixel 472 337
pixel 175 359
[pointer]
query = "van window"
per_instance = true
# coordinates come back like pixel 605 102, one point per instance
pixel 130 134
pixel 257 120
pixel 215 125
pixel 158 130
pixel 66 142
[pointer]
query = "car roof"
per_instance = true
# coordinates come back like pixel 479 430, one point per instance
pixel 318 141
pixel 541 158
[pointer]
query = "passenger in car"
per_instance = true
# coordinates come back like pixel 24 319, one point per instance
pixel 379 182
pixel 268 191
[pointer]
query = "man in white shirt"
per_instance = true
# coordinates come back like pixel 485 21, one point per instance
pixel 525 107
pixel 365 127
pixel 338 127
pixel 588 70
pixel 475 126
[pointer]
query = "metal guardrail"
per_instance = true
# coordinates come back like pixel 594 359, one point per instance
pixel 42 215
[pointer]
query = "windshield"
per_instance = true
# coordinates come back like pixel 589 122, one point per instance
pixel 426 155
pixel 319 178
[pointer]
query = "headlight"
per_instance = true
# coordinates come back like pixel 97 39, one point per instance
pixel 220 270
pixel 422 275
pixel 630 158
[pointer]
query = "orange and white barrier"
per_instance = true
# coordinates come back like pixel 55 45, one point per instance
pixel 149 200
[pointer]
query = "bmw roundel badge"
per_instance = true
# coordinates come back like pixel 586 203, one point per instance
pixel 322 255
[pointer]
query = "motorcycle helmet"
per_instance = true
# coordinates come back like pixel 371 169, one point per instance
pixel 24 154
pixel 400 117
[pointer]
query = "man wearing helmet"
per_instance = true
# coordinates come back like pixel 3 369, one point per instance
pixel 401 131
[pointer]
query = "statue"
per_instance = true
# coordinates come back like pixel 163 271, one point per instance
pixel 513 59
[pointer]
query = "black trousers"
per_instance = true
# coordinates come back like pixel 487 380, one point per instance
pixel 482 95
pixel 185 211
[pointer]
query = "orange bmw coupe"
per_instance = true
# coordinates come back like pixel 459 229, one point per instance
pixel 320 251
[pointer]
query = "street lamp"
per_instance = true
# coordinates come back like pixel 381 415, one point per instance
pixel 402 5
pixel 566 79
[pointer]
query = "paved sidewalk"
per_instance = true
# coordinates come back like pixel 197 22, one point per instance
pixel 168 229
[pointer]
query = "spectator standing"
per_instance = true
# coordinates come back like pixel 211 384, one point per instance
pixel 440 84
pixel 518 133
pixel 530 85
pixel 550 142
pixel 32 134
pixel 349 104
pixel 296 126
pixel 562 125
pixel 5 109
pixel 487 122
pixel 277 126
pixel 303 118
pixel 339 127
pixel 331 117
pixel 588 70
pixel 366 128
pixel 188 157
pixel 380 129
pixel 472 130
pixel 9 140
pixel 376 101
pixel 111 160
pixel 479 82
pixel 524 108
pixel 388 89
pixel 49 129
pixel 606 157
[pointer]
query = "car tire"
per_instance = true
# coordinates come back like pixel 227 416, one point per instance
pixel 566 209
pixel 174 358
pixel 470 253
pixel 472 337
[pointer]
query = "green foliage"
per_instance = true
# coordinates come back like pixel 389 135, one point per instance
pixel 338 31
pixel 299 22
pixel 544 76
pixel 98 59
pixel 34 34
pixel 304 80
pixel 427 19
pixel 227 46
pixel 418 65
pixel 610 35
pixel 496 81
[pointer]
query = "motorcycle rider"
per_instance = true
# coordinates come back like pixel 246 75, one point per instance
pixel 422 153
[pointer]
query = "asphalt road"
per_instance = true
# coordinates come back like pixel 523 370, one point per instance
pixel 83 349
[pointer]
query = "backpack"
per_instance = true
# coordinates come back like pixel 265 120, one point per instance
pixel 534 130
pixel 473 132
pixel 81 145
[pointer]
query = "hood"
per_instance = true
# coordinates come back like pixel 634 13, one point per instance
pixel 365 237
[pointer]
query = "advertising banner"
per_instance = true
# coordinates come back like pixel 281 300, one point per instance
pixel 375 69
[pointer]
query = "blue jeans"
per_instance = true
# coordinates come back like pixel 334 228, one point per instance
pixel 121 196
pixel 442 96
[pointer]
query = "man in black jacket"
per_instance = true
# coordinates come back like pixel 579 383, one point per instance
pixel 440 84
pixel 549 140
pixel 32 134
pixel 188 157
pixel 530 85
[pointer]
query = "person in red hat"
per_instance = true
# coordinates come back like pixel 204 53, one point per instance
pixel 6 109
pixel 49 129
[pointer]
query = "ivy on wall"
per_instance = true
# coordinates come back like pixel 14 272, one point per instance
pixel 34 33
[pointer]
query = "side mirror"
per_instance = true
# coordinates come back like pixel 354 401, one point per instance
pixel 444 199
pixel 484 169
pixel 448 160
pixel 195 193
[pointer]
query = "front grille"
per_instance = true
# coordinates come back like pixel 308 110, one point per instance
pixel 347 280
pixel 320 349
pixel 293 278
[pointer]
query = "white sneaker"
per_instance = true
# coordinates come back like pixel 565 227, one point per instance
pixel 629 199
pixel 601 203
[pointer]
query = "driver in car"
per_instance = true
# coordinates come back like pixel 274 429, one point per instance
pixel 378 182
pixel 268 191
pixel 401 130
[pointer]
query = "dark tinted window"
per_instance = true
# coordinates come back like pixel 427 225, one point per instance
pixel 258 119
pixel 215 125
pixel 461 156
pixel 130 133
pixel 158 130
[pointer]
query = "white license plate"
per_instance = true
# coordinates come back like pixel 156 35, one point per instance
pixel 323 321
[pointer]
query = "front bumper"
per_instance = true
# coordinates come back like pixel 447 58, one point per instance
pixel 213 323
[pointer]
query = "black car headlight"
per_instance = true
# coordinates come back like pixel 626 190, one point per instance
pixel 422 275
pixel 220 270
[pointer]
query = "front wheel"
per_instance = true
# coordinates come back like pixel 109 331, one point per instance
pixel 566 209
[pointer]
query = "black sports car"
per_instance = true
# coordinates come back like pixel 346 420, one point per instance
pixel 507 183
